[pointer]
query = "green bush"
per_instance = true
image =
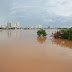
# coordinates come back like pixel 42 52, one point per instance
pixel 11 28
pixel 67 33
pixel 41 32
pixel 64 34
pixel 2 28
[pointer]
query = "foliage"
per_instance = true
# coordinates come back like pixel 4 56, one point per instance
pixel 2 28
pixel 41 32
pixel 67 33
pixel 11 28
pixel 64 33
pixel 58 35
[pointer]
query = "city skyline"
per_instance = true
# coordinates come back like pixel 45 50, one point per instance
pixel 18 25
pixel 53 13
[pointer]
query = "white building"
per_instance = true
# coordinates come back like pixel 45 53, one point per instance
pixel 30 27
pixel 3 26
pixel 38 26
pixel 15 25
pixel 18 24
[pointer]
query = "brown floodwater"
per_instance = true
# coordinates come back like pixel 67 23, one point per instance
pixel 24 51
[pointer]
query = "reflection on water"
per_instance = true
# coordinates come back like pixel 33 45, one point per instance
pixel 13 33
pixel 41 39
pixel 62 42
pixel 9 33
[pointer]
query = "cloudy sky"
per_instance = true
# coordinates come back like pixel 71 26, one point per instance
pixel 54 13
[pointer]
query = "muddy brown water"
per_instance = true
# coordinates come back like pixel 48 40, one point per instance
pixel 24 51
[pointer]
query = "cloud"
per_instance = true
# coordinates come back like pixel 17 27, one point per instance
pixel 49 20
pixel 20 7
pixel 31 12
pixel 12 12
pixel 59 7
pixel 52 12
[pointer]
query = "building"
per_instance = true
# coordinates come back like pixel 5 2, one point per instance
pixel 18 25
pixel 30 27
pixel 15 25
pixel 38 26
pixel 48 27
pixel 3 26
pixel 8 25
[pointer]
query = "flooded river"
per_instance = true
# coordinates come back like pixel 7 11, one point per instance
pixel 24 51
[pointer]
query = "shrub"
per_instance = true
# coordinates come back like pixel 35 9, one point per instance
pixel 58 35
pixel 41 32
pixel 12 28
pixel 64 33
pixel 2 28
pixel 67 33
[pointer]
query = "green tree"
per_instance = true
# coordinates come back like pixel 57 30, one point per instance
pixel 67 33
pixel 41 32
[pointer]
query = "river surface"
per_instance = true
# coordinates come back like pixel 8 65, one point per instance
pixel 24 51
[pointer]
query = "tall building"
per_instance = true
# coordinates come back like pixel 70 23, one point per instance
pixel 18 24
pixel 9 25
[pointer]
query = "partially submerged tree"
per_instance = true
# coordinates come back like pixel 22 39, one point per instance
pixel 58 35
pixel 64 34
pixel 67 33
pixel 41 32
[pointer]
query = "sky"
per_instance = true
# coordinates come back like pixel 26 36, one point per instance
pixel 53 13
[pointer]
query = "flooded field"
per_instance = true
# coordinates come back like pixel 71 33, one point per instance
pixel 24 51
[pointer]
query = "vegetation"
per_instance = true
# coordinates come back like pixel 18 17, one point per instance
pixel 11 28
pixel 64 33
pixel 18 28
pixel 2 28
pixel 41 32
pixel 67 33
pixel 58 35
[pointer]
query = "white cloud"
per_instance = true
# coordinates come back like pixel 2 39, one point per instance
pixel 59 7
pixel 21 16
pixel 12 12
pixel 39 11
pixel 20 7
pixel 49 20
